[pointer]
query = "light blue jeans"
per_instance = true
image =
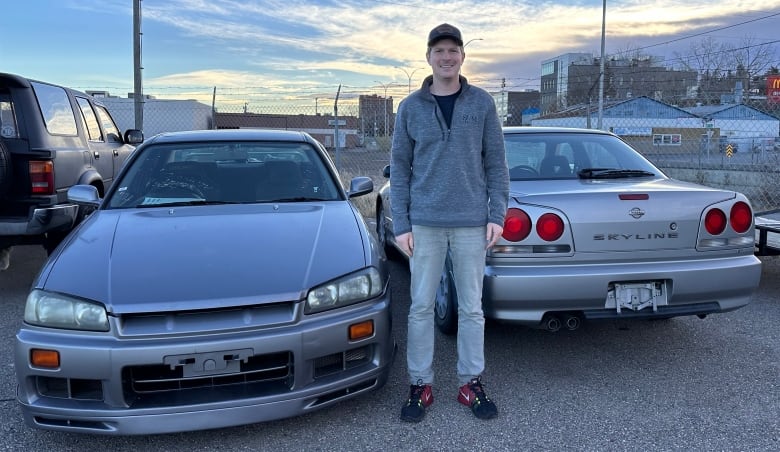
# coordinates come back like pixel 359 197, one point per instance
pixel 467 246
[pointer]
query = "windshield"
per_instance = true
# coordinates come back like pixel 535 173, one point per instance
pixel 568 155
pixel 223 173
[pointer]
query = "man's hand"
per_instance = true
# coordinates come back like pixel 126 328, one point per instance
pixel 406 243
pixel 494 232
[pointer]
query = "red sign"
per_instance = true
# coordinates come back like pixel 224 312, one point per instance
pixel 773 88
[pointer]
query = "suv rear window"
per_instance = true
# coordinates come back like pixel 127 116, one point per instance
pixel 8 128
pixel 55 108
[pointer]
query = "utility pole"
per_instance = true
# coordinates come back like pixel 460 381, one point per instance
pixel 503 101
pixel 336 126
pixel 601 75
pixel 138 90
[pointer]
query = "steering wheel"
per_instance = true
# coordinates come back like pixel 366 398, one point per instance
pixel 522 171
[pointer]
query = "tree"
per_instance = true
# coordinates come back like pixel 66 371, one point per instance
pixel 752 60
pixel 720 65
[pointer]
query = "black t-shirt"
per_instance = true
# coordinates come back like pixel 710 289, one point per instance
pixel 447 104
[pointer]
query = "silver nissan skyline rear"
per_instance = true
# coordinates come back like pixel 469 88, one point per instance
pixel 595 231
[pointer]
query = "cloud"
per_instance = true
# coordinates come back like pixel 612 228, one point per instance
pixel 284 46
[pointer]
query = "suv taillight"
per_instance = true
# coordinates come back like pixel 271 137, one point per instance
pixel 41 178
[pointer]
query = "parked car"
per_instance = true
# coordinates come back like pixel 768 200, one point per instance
pixel 51 138
pixel 224 279
pixel 595 231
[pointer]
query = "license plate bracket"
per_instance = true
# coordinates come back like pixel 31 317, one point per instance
pixel 636 296
pixel 206 364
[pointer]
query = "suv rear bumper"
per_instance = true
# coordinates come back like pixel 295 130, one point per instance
pixel 42 220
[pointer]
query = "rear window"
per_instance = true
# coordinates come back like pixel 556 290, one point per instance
pixel 8 128
pixel 55 109
pixel 533 156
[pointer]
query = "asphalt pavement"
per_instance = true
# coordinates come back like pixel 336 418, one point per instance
pixel 708 384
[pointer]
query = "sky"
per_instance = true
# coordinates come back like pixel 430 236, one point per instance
pixel 299 52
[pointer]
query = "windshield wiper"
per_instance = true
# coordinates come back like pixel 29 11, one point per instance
pixel 192 202
pixel 296 199
pixel 611 173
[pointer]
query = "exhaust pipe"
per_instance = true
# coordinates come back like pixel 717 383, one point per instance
pixel 552 323
pixel 573 322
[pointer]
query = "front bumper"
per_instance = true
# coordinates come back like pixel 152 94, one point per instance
pixel 95 390
pixel 524 294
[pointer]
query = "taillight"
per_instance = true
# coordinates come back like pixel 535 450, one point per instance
pixel 740 217
pixel 517 225
pixel 41 178
pixel 715 221
pixel 549 227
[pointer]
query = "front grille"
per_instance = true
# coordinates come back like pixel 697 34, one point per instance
pixel 69 388
pixel 338 362
pixel 161 385
pixel 207 320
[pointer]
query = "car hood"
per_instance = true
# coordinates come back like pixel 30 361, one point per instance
pixel 200 257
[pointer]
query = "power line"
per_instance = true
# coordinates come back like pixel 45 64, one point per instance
pixel 710 31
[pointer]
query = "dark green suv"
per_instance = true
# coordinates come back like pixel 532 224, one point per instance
pixel 51 138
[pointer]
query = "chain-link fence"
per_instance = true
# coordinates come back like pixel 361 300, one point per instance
pixel 732 146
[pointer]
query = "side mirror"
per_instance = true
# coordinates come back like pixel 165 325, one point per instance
pixel 386 171
pixel 360 186
pixel 84 194
pixel 134 136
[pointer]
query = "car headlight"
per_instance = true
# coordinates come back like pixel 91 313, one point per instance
pixel 55 310
pixel 354 288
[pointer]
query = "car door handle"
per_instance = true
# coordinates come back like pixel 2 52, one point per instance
pixel 96 155
pixel 116 153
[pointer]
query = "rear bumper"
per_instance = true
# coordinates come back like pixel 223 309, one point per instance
pixel 524 294
pixel 40 221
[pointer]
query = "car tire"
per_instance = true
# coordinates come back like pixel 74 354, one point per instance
pixel 446 303
pixel 5 169
pixel 382 235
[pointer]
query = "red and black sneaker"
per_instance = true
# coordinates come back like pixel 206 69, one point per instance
pixel 472 394
pixel 420 397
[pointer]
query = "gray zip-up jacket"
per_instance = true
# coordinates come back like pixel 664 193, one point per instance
pixel 442 177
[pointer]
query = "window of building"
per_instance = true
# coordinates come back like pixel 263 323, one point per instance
pixel 667 139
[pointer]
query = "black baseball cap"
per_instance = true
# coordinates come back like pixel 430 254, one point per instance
pixel 444 31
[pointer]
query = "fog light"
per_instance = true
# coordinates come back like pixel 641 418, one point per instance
pixel 45 358
pixel 361 330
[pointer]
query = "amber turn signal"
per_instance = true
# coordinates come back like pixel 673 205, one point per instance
pixel 361 330
pixel 45 358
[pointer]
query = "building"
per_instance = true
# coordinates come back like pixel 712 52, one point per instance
pixel 376 115
pixel 321 127
pixel 521 107
pixel 555 79
pixel 160 115
pixel 654 127
pixel 573 79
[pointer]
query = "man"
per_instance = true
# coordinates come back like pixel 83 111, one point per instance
pixel 449 190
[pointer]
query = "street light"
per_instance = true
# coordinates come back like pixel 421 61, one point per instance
pixel 472 40
pixel 385 86
pixel 409 75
